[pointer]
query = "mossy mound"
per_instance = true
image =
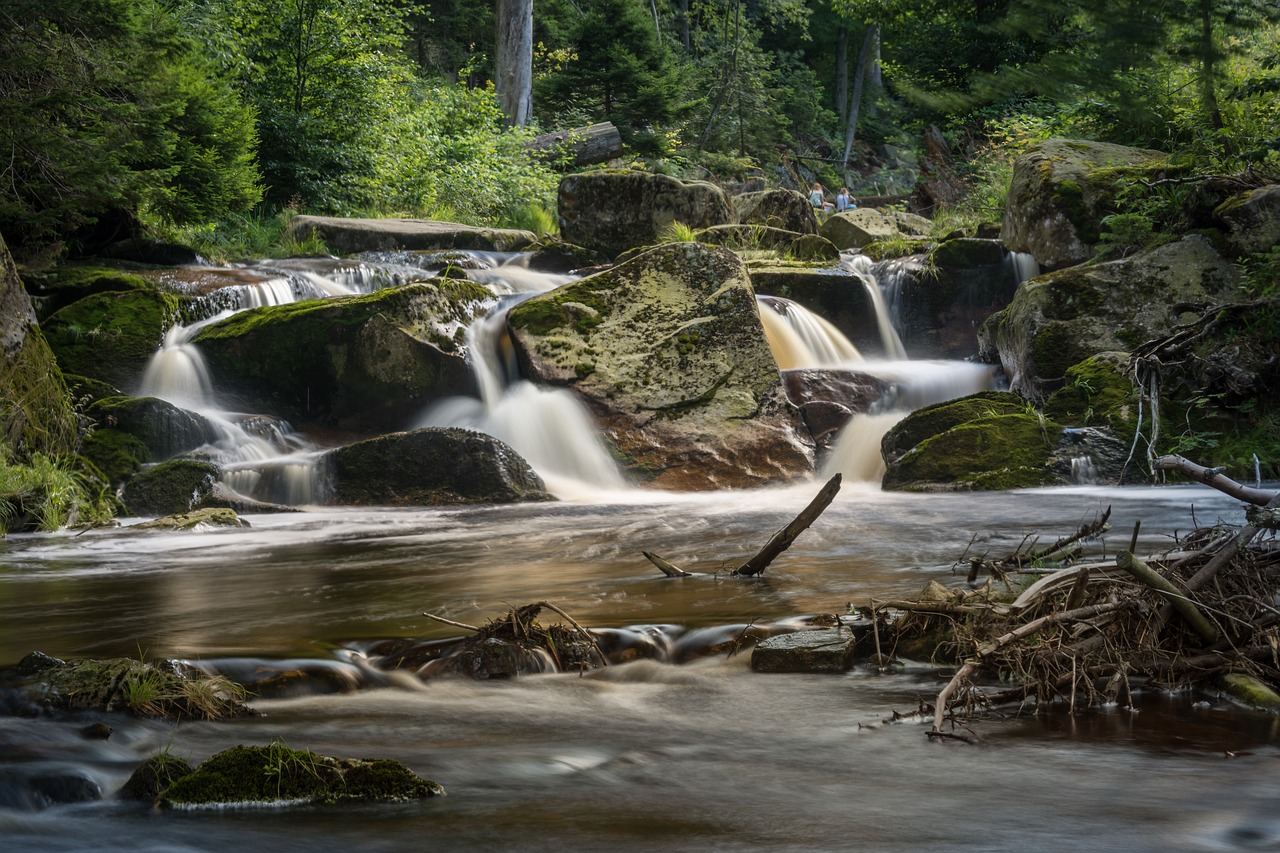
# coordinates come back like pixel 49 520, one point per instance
pixel 367 363
pixel 1097 392
pixel 153 776
pixel 990 452
pixel 169 488
pixel 938 418
pixel 429 467
pixel 277 775
pixel 62 286
pixel 968 252
pixel 111 336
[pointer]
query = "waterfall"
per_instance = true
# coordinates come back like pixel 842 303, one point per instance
pixel 863 268
pixel 1021 266
pixel 800 338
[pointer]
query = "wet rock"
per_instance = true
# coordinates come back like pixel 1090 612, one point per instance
pixel 428 467
pixel 35 409
pixel 1061 190
pixel 131 431
pixel 111 336
pixel 1251 691
pixel 853 229
pixel 1252 220
pixel 828 398
pixel 278 775
pixel 833 293
pixel 22 789
pixel 780 208
pixel 367 363
pixel 558 257
pixel 1059 319
pixel 494 658
pixel 1093 456
pixel 827 650
pixel 668 353
pixel 210 518
pixel 614 211
pixel 153 777
pixel 155 252
pixel 96 731
pixel 169 488
pixel 347 236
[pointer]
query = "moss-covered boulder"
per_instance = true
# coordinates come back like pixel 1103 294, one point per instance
pixel 111 336
pixel 1061 190
pixel 1061 318
pixel 36 414
pixel 168 488
pixel 1251 220
pixel 153 776
pixel 204 518
pixel 612 211
pixel 668 353
pixel 853 229
pixel 746 236
pixel 347 236
pixel 277 775
pixel 428 467
pixel 1097 392
pixel 55 288
pixel 780 208
pixel 984 441
pixel 369 362
pixel 813 247
pixel 129 432
pixel 164 689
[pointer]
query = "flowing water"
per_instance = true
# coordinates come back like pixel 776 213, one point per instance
pixel 687 751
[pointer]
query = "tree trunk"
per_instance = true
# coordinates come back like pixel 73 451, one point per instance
pixel 1208 61
pixel 513 75
pixel 842 71
pixel 684 26
pixel 859 80
pixel 597 143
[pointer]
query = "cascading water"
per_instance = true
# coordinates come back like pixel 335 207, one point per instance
pixel 800 338
pixel 863 268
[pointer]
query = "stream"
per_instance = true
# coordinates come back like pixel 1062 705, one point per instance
pixel 701 756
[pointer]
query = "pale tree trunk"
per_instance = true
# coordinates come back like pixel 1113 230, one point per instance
pixel 842 71
pixel 859 79
pixel 876 77
pixel 513 73
pixel 684 26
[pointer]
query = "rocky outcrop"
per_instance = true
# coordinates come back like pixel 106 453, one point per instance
pixel 668 352
pixel 131 431
pixel 1059 319
pixel 35 409
pixel 1061 190
pixel 1251 220
pixel 828 398
pixel 853 229
pixel 366 362
pixel 430 467
pixel 348 235
pixel 784 209
pixel 111 336
pixel 611 212
pixel 169 488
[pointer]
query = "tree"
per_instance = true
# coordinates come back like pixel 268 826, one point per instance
pixel 513 66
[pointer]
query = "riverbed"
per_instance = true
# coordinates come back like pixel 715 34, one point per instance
pixel 703 756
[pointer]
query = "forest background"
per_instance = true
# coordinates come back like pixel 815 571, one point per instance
pixel 210 122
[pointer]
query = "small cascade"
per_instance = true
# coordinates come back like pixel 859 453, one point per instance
pixel 863 268
pixel 1020 266
pixel 177 372
pixel 800 338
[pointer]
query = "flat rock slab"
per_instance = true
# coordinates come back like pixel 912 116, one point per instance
pixel 347 236
pixel 826 650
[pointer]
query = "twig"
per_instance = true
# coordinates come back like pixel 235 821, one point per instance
pixel 445 621
pixel 603 660
pixel 782 540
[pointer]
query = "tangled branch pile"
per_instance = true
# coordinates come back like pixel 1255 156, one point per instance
pixel 1207 610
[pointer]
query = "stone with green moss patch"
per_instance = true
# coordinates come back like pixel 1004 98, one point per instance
pixel 168 488
pixel 111 336
pixel 940 417
pixel 1097 392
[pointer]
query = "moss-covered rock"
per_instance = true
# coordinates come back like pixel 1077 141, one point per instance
pixel 1061 318
pixel 1097 392
pixel 153 776
pixel 116 454
pixel 347 236
pixel 206 518
pixel 747 236
pixel 1061 190
pixel 780 208
pixel 279 775
pixel 813 247
pixel 1251 220
pixel 853 229
pixel 429 467
pixel 36 414
pixel 668 352
pixel 1251 691
pixel 54 289
pixel 129 432
pixel 169 488
pixel 612 211
pixel 369 362
pixel 111 336
pixel 936 419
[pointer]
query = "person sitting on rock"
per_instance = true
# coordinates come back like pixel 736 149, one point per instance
pixel 816 199
pixel 844 201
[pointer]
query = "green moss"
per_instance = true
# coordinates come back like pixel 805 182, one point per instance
pixel 1071 294
pixel 966 253
pixel 1000 452
pixel 153 776
pixel 110 336
pixel 1096 393
pixel 940 417
pixel 36 414
pixel 116 454
pixel 168 488
pixel 1053 350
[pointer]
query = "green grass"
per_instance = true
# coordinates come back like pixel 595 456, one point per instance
pixel 47 493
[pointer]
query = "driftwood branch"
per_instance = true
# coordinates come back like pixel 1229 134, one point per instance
pixel 669 569
pixel 782 540
pixel 944 696
pixel 1213 478
pixel 464 626
pixel 1176 597
pixel 583 631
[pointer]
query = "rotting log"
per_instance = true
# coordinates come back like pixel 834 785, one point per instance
pixel 1213 478
pixel 1185 606
pixel 596 143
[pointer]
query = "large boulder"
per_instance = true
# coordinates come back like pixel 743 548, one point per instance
pixel 169 488
pixel 429 467
pixel 668 352
pixel 130 431
pixel 1061 190
pixel 1251 220
pixel 780 208
pixel 853 229
pixel 35 409
pixel 349 235
pixel 368 362
pixel 1061 318
pixel 110 336
pixel 614 211
pixel 54 289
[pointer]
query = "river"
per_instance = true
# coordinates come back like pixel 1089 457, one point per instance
pixel 702 756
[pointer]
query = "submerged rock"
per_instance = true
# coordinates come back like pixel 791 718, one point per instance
pixel 429 467
pixel 349 235
pixel 668 352
pixel 367 363
pixel 826 650
pixel 277 775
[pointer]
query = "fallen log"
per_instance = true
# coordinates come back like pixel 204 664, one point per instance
pixel 596 143
pixel 1213 478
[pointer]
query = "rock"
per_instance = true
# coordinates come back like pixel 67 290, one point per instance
pixel 614 211
pixel 429 467
pixel 813 247
pixel 668 353
pixel 153 777
pixel 971 443
pixel 346 236
pixel 828 398
pixel 55 289
pixel 853 229
pixel 557 257
pixel 27 788
pixel 1061 318
pixel 827 650
pixel 492 657
pixel 169 488
pixel 131 431
pixel 367 363
pixel 36 414
pixel 1252 220
pixel 279 775
pixel 780 208
pixel 910 224
pixel 155 252
pixel 210 518
pixel 111 336
pixel 1061 190
pixel 1251 691
pixel 1093 456
pixel 1097 392
pixel 746 236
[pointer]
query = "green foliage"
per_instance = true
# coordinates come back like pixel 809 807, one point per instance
pixel 1123 232
pixel 677 232
pixel 158 692
pixel 238 237
pixel 47 493
pixel 1262 275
